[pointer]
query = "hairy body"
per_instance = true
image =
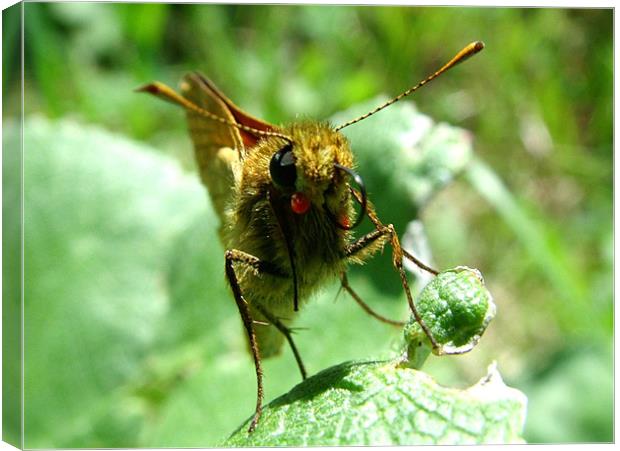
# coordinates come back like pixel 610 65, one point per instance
pixel 259 223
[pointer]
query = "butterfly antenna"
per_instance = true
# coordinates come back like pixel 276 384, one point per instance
pixel 464 54
pixel 164 92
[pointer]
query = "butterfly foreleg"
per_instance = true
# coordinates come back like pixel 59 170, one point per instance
pixel 344 282
pixel 375 240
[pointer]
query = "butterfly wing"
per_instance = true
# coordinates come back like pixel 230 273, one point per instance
pixel 219 146
pixel 241 117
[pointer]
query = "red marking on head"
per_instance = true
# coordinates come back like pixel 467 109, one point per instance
pixel 300 203
pixel 345 221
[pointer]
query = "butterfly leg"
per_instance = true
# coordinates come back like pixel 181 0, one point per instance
pixel 287 332
pixel 344 281
pixel 398 253
pixel 233 256
pixel 373 241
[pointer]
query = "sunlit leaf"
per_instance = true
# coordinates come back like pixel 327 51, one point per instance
pixel 369 404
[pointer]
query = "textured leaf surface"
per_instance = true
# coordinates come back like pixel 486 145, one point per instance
pixel 382 404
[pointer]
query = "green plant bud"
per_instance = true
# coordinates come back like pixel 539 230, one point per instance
pixel 457 308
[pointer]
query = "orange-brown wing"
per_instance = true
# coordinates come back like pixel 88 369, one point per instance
pixel 241 117
pixel 218 147
pixel 213 140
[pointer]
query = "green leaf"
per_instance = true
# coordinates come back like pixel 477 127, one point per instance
pixel 380 403
pixel 100 215
pixel 12 330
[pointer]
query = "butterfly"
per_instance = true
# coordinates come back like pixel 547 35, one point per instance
pixel 288 198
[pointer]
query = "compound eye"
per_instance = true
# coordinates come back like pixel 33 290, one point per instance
pixel 282 167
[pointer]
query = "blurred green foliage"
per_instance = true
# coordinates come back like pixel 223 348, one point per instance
pixel 534 213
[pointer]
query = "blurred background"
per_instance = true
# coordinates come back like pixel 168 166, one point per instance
pixel 164 364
